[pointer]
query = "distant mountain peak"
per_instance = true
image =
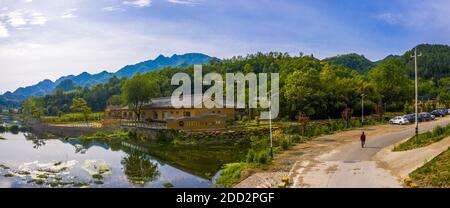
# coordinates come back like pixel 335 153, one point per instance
pixel 86 79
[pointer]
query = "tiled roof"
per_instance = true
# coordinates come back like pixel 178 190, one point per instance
pixel 165 102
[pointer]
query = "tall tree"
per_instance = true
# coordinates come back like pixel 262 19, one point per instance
pixel 80 105
pixel 391 82
pixel 139 90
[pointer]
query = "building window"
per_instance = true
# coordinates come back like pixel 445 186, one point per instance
pixel 187 114
pixel 155 115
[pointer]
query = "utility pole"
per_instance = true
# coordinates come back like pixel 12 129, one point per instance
pixel 362 109
pixel 416 91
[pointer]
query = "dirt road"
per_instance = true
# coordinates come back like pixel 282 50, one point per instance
pixel 339 161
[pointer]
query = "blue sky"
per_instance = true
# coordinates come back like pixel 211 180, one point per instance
pixel 42 39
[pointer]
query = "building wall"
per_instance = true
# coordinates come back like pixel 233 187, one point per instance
pixel 158 114
pixel 211 122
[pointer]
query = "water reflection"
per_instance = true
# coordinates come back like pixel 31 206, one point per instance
pixel 132 162
pixel 37 142
pixel 139 169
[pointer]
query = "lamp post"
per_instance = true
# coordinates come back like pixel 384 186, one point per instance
pixel 270 121
pixel 416 91
pixel 362 109
pixel 270 126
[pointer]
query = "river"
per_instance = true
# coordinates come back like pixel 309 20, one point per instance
pixel 29 161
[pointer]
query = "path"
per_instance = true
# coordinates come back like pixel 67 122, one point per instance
pixel 338 160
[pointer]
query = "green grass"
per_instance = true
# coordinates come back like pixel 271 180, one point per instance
pixel 435 173
pixel 424 139
pixel 110 135
pixel 231 174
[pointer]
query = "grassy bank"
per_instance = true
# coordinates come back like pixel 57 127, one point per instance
pixel 424 139
pixel 435 173
pixel 72 118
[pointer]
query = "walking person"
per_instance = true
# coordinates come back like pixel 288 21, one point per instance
pixel 363 139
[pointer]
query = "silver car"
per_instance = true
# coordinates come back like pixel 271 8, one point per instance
pixel 400 120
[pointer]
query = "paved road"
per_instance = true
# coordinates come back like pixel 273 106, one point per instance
pixel 349 165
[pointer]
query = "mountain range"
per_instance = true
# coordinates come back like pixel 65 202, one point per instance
pixel 434 64
pixel 13 99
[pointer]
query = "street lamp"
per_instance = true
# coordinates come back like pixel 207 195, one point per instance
pixel 416 90
pixel 362 109
pixel 270 121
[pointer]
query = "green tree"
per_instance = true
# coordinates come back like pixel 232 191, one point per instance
pixel 80 105
pixel 139 90
pixel 391 82
pixel 115 100
pixel 32 109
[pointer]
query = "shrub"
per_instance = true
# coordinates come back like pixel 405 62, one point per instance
pixel 251 156
pixel 263 157
pixel 231 174
pixel 439 130
pixel 285 143
pixel 296 139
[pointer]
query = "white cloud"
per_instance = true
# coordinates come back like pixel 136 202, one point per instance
pixel 37 18
pixel 390 18
pixel 112 9
pixel 138 3
pixel 185 2
pixel 3 31
pixel 69 13
pixel 16 19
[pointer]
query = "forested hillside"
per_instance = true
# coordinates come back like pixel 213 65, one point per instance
pixel 433 64
pixel 352 61
pixel 318 88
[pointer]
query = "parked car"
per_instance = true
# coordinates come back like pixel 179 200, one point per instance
pixel 400 120
pixel 439 113
pixel 425 116
pixel 411 118
pixel 448 111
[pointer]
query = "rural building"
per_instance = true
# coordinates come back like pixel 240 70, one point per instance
pixel 159 111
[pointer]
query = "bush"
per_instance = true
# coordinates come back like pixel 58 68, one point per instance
pixel 263 157
pixel 285 143
pixel 296 139
pixel 251 156
pixel 231 174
